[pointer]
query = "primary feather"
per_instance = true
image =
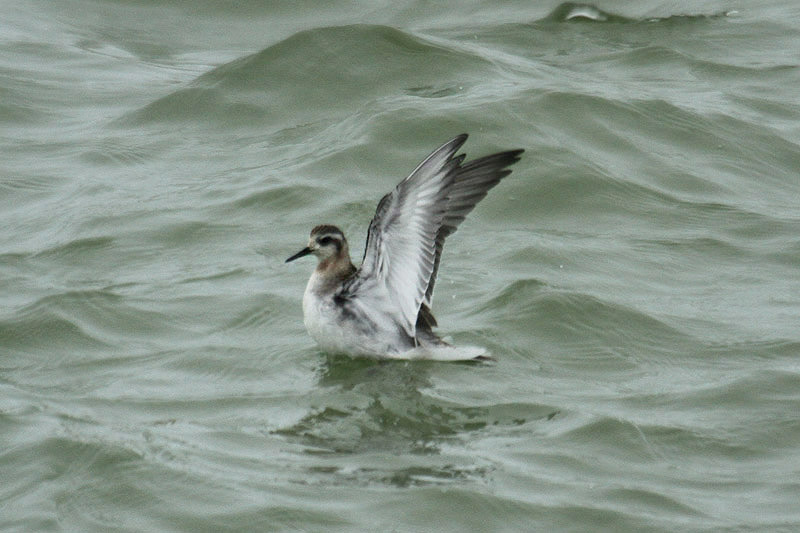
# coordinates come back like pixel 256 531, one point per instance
pixel 411 223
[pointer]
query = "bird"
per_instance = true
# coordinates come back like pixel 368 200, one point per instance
pixel 382 309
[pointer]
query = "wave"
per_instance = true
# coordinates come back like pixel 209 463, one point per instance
pixel 37 328
pixel 564 315
pixel 82 322
pixel 580 12
pixel 358 63
pixel 573 12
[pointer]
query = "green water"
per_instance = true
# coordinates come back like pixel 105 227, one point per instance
pixel 637 276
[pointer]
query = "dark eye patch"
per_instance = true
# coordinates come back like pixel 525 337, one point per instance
pixel 325 240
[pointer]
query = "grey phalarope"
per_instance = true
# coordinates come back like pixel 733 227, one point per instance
pixel 382 309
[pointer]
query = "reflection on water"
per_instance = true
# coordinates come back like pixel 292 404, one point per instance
pixel 370 407
pixel 374 405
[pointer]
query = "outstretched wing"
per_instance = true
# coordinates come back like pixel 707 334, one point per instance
pixel 407 233
pixel 400 254
pixel 472 181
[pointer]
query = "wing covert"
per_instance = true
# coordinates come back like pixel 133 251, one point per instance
pixel 401 242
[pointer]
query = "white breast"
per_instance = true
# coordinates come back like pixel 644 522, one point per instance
pixel 319 316
pixel 335 333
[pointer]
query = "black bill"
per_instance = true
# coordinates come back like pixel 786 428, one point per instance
pixel 301 253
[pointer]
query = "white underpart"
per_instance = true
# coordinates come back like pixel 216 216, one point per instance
pixel 374 311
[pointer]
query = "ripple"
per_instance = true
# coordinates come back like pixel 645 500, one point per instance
pixel 285 198
pixel 77 249
pixel 370 406
pixel 267 310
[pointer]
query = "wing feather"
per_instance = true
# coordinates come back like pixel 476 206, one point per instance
pixel 401 241
pixel 472 182
pixel 407 233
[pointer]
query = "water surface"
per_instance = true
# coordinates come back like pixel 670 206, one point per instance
pixel 636 276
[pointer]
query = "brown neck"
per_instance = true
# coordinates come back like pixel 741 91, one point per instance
pixel 337 267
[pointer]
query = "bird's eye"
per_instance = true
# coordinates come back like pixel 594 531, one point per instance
pixel 325 240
